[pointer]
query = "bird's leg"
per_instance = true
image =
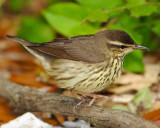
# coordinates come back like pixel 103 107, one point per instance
pixel 91 102
pixel 83 99
pixel 85 95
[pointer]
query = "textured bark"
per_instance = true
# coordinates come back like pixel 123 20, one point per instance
pixel 27 99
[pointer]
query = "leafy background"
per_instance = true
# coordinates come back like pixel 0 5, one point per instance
pixel 44 20
pixel 140 18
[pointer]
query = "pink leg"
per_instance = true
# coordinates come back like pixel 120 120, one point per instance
pixel 83 99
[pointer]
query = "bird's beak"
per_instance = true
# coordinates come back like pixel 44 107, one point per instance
pixel 140 47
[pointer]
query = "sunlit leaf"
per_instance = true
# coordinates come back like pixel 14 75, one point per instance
pixel 62 24
pixel 137 9
pixel 133 62
pixel 83 29
pixel 69 10
pixel 36 30
pixel 98 15
pixel 143 10
pixel 107 4
pixel 69 21
pixel 132 2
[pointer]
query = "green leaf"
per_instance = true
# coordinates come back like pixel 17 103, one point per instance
pixel 148 40
pixel 98 15
pixel 143 97
pixel 83 29
pixel 101 9
pixel 141 7
pixel 107 4
pixel 132 2
pixel 120 107
pixel 126 22
pixel 69 10
pixel 101 13
pixel 133 62
pixel 143 10
pixel 35 30
pixel 156 27
pixel 62 24
pixel 69 21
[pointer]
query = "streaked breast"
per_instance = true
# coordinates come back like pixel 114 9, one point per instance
pixel 85 77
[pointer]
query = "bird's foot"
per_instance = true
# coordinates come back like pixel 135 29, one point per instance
pixel 83 100
pixel 87 97
pixel 85 94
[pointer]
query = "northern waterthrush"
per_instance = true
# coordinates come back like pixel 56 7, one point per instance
pixel 86 63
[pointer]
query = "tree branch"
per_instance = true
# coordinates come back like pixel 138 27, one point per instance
pixel 26 99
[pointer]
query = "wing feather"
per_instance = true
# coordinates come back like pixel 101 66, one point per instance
pixel 81 48
pixel 87 49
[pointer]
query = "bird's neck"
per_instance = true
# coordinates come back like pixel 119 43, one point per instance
pixel 120 57
pixel 115 67
pixel 116 60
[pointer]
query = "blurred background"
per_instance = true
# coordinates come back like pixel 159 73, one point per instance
pixel 44 20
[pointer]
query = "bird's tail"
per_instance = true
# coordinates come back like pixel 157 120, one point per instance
pixel 31 48
pixel 21 41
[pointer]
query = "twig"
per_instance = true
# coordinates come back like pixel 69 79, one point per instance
pixel 27 99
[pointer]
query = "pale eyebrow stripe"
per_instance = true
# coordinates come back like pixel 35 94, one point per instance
pixel 118 43
pixel 116 46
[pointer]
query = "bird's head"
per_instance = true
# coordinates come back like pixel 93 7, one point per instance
pixel 120 43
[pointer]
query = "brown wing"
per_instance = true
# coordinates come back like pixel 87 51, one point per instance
pixel 82 48
pixel 54 48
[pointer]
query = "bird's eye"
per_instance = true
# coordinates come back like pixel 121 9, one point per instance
pixel 122 47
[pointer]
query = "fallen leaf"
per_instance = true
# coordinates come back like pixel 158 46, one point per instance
pixel 154 115
pixel 60 118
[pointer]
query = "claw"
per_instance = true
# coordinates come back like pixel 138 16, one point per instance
pixel 83 100
pixel 84 95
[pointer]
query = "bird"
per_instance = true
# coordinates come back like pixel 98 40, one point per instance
pixel 84 64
